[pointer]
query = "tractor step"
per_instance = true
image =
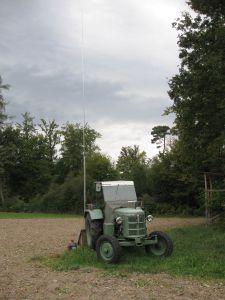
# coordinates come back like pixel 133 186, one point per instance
pixel 82 241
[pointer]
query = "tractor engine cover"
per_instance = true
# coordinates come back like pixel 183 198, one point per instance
pixel 133 222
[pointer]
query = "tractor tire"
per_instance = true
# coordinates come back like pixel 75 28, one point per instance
pixel 108 249
pixel 164 247
pixel 93 231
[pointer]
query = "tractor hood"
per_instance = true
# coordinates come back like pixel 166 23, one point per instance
pixel 128 211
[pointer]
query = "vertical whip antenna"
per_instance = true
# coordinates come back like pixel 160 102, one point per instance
pixel 83 101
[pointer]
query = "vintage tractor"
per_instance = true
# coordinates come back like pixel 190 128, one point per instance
pixel 115 220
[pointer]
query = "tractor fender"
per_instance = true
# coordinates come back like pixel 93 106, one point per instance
pixel 94 213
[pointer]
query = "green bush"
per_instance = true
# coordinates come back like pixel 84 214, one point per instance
pixel 65 197
pixel 217 202
pixel 166 209
pixel 152 206
pixel 18 205
pixel 149 203
pixel 36 204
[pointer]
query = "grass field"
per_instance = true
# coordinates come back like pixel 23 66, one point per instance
pixel 198 252
pixel 19 215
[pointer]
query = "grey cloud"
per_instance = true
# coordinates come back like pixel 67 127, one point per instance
pixel 130 50
pixel 59 95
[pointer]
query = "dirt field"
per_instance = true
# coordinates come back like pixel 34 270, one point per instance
pixel 22 278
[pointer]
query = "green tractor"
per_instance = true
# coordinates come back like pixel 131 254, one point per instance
pixel 116 220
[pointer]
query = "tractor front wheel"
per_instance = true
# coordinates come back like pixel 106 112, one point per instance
pixel 164 246
pixel 108 249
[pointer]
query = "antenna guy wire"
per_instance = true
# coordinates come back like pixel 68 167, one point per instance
pixel 83 101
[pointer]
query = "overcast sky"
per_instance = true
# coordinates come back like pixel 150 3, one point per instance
pixel 130 51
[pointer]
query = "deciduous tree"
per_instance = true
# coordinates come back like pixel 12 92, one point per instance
pixel 72 146
pixel 52 137
pixel 131 165
pixel 198 91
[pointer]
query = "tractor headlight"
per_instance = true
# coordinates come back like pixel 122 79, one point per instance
pixel 149 218
pixel 119 220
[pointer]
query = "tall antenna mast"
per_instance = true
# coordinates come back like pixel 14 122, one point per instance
pixel 83 101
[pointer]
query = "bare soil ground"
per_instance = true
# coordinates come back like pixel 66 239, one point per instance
pixel 22 278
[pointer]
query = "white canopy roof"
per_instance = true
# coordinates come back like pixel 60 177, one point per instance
pixel 116 183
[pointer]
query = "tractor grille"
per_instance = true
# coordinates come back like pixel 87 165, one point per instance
pixel 136 225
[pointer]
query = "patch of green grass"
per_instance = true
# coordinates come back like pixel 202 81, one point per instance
pixel 37 258
pixel 20 215
pixel 198 252
pixel 63 290
pixel 43 261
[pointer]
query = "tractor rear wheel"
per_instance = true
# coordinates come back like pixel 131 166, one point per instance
pixel 164 247
pixel 108 249
pixel 93 231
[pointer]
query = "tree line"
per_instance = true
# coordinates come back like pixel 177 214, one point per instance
pixel 41 163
